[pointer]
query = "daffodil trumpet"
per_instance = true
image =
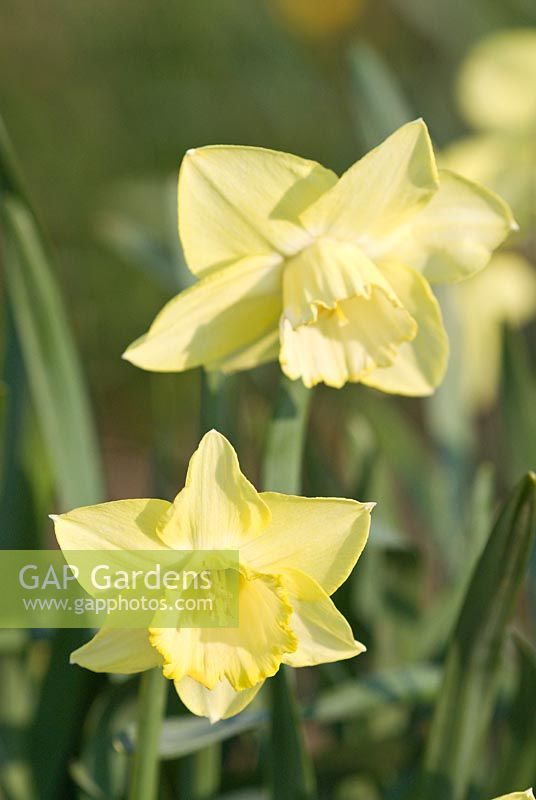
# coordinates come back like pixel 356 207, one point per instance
pixel 330 275
pixel 294 552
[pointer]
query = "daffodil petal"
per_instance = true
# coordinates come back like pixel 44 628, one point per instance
pixel 324 274
pixel 323 633
pixel 118 525
pixel 496 83
pixel 218 508
pixel 122 650
pixel 527 795
pixel 323 537
pixel 381 190
pixel 225 311
pixel 454 235
pixel 347 343
pixel 241 201
pixel 260 352
pixel 221 702
pixel 244 655
pixel 419 365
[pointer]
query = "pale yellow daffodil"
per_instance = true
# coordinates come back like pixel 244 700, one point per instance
pixel 528 795
pixel 330 274
pixel 497 96
pixel 294 552
pixel 503 294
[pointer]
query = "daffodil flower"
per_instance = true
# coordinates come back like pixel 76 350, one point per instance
pixel 497 97
pixel 528 795
pixel 503 294
pixel 331 275
pixel 294 552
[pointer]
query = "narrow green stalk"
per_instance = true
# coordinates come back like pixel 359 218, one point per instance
pixel 291 770
pixel 152 701
pixel 286 438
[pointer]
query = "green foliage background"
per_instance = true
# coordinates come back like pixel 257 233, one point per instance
pixel 100 100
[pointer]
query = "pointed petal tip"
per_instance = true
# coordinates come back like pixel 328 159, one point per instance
pixel 129 353
pixel 215 434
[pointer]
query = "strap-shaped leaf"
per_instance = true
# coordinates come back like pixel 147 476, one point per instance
pixel 468 693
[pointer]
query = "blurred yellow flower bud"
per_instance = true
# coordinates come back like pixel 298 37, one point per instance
pixel 319 18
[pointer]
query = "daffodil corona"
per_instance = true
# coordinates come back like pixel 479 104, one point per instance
pixel 294 552
pixel 331 275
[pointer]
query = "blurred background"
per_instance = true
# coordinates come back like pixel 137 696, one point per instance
pixel 101 100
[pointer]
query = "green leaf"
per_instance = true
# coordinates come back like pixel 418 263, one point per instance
pixel 187 734
pixel 518 401
pixel 139 223
pixel 468 692
pixel 379 104
pixel 517 755
pixel 440 616
pixel 51 363
pixel 412 684
pixel 100 770
pixel 291 769
pixel 53 373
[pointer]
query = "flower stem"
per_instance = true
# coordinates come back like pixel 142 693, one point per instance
pixel 152 700
pixel 291 770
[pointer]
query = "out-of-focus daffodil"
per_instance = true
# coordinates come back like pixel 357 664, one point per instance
pixel 504 293
pixel 294 553
pixel 318 18
pixel 333 275
pixel 528 795
pixel 496 85
pixel 497 95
